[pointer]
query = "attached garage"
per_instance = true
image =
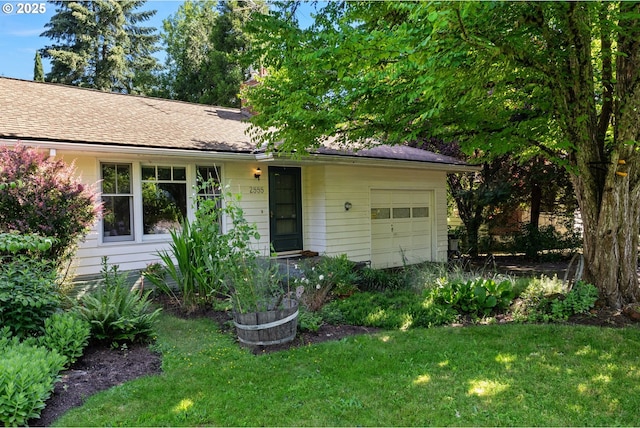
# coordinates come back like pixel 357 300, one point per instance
pixel 401 227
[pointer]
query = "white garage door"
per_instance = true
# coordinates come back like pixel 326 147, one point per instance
pixel 400 227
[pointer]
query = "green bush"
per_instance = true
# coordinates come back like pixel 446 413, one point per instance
pixel 116 313
pixel 308 321
pixel 383 279
pixel 532 241
pixel 66 333
pixel 477 297
pixel 27 377
pixel 15 243
pixel 546 301
pixel 579 300
pixel 28 294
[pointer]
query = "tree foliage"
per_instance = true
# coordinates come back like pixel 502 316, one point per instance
pixel 38 71
pixel 100 44
pixel 205 44
pixel 552 79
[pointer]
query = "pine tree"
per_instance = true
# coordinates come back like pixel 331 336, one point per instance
pixel 98 44
pixel 38 71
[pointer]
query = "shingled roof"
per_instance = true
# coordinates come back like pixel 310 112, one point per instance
pixel 46 112
pixel 51 112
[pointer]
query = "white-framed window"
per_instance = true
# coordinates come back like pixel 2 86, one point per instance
pixel 117 199
pixel 164 198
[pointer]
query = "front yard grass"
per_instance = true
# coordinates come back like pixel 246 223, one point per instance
pixel 492 375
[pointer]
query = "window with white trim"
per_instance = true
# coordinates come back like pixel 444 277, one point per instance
pixel 164 198
pixel 117 200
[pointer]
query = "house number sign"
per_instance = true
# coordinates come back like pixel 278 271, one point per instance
pixel 256 189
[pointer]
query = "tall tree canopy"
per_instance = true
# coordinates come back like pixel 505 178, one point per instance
pixel 206 43
pixel 100 44
pixel 559 79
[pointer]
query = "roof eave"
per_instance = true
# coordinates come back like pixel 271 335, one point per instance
pixel 367 161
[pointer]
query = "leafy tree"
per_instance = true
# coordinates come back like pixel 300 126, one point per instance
pixel 100 44
pixel 186 36
pixel 42 196
pixel 205 44
pixel 38 71
pixel 568 71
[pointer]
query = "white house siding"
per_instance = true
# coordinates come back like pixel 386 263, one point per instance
pixel 349 232
pixel 137 254
pixel 327 227
pixel 314 216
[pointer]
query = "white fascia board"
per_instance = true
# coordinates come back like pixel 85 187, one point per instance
pixel 128 150
pixel 362 161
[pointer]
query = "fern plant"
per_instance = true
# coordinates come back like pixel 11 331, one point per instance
pixel 115 312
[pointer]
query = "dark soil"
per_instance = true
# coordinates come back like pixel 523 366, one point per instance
pixel 102 367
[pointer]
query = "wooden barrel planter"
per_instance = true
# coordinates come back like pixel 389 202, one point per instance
pixel 268 328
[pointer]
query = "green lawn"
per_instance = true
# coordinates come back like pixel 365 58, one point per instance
pixel 551 375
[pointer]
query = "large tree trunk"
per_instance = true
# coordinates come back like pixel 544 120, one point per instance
pixel 604 171
pixel 611 241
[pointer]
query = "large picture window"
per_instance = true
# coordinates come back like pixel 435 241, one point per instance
pixel 164 198
pixel 117 199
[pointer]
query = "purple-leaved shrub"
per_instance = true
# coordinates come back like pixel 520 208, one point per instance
pixel 44 196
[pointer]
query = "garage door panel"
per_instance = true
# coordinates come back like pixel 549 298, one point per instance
pixel 401 227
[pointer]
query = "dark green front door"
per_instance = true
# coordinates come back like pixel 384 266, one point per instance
pixel 285 208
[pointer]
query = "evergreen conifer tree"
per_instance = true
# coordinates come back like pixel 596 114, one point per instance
pixel 38 71
pixel 99 44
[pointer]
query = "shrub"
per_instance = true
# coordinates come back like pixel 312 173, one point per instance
pixel 32 244
pixel 532 241
pixel 324 278
pixel 66 333
pixel 477 297
pixel 384 279
pixel 309 321
pixel 27 377
pixel 579 300
pixel 116 313
pixel 28 294
pixel 547 301
pixel 41 195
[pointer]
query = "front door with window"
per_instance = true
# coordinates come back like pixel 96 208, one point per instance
pixel 285 208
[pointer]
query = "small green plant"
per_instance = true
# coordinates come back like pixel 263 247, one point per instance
pixel 13 243
pixel 579 300
pixel 66 333
pixel 477 297
pixel 546 300
pixel 116 313
pixel 28 294
pixel 309 321
pixel 27 377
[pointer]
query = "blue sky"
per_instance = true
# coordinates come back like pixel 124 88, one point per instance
pixel 20 33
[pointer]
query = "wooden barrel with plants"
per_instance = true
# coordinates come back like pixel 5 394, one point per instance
pixel 269 327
